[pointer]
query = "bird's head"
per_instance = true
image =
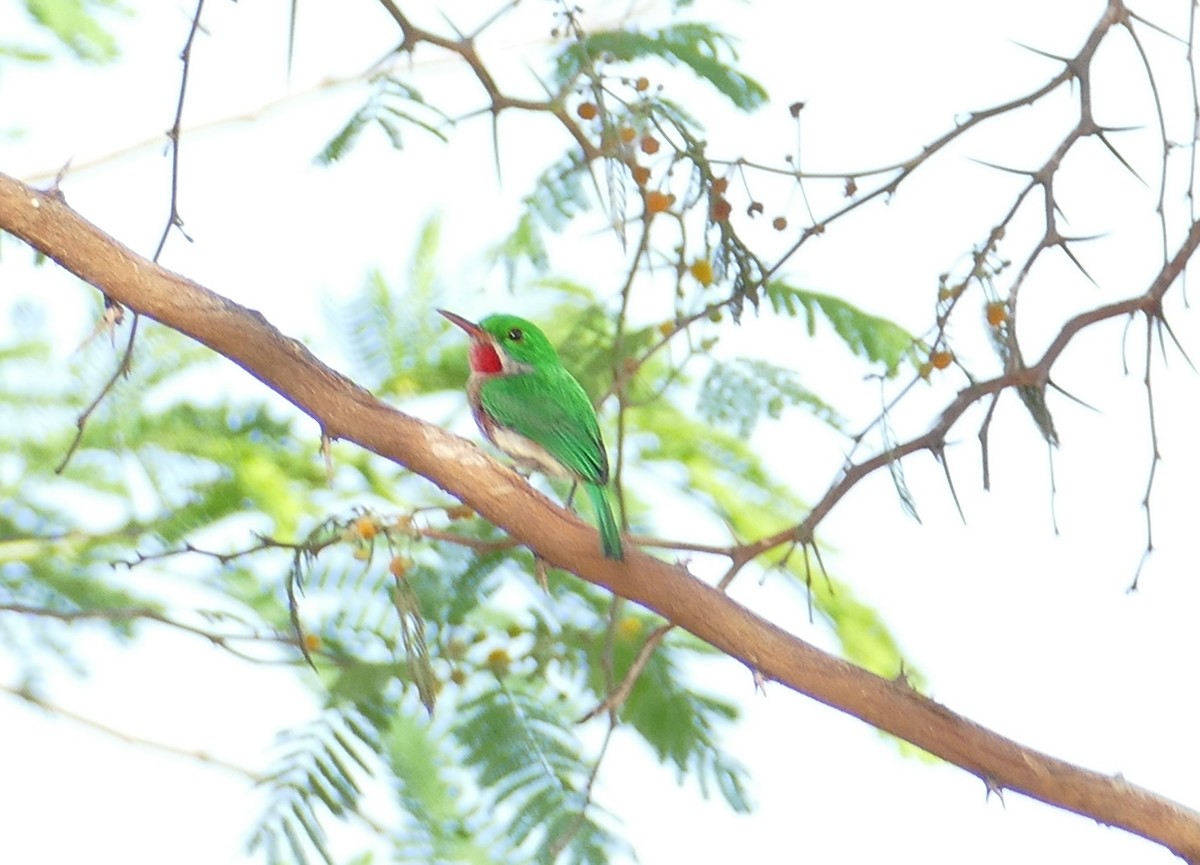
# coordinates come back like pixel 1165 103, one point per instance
pixel 505 344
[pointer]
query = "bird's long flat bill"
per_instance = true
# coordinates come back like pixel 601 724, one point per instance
pixel 469 326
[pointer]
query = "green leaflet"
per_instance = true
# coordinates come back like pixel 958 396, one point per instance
pixel 877 339
pixel 741 391
pixel 523 244
pixel 520 742
pixel 24 54
pixel 397 346
pixel 681 723
pixel 77 26
pixel 696 46
pixel 557 197
pixel 316 768
pixel 391 105
pixel 440 819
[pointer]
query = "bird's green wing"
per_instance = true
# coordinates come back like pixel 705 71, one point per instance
pixel 552 409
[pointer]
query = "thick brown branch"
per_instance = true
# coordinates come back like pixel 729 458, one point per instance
pixel 345 410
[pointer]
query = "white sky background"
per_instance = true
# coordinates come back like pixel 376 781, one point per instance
pixel 1030 634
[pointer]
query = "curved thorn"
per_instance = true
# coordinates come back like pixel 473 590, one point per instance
pixel 1041 53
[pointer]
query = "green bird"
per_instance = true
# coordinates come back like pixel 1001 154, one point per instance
pixel 528 405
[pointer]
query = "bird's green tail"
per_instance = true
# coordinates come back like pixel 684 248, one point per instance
pixel 610 532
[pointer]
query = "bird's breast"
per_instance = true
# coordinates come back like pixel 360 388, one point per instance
pixel 527 453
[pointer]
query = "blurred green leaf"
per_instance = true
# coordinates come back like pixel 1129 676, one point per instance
pixel 441 817
pixel 522 747
pixel 741 391
pixel 876 339
pixel 23 53
pixel 391 105
pixel 313 767
pixel 697 46
pixel 679 722
pixel 77 25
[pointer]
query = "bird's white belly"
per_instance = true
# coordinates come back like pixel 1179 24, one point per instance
pixel 528 454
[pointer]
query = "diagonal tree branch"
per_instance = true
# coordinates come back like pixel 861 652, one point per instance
pixel 345 410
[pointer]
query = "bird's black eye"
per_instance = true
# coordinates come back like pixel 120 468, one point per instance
pixel 516 335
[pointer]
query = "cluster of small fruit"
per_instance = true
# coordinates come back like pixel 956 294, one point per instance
pixel 636 143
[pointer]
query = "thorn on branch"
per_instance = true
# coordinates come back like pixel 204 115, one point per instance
pixel 1156 314
pixel 1022 172
pixel 1117 155
pixel 939 454
pixel 811 542
pixel 901 678
pixel 109 321
pixel 992 788
pixel 1066 61
pixel 55 188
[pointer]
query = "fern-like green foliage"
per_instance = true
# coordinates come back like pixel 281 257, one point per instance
pixel 679 721
pixel 741 391
pixel 557 197
pixel 149 470
pixel 498 768
pixel 514 738
pixel 317 766
pixel 391 105
pixel 441 820
pixel 879 340
pixel 696 46
pixel 399 348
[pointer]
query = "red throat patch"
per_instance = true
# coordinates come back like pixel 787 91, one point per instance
pixel 484 358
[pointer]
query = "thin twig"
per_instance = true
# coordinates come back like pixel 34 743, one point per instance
pixel 132 614
pixel 153 744
pixel 173 221
pixel 560 843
